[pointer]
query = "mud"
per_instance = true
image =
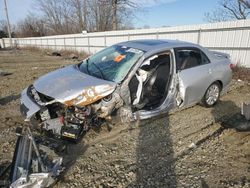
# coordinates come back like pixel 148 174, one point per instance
pixel 192 147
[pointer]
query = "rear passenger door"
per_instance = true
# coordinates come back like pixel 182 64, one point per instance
pixel 194 74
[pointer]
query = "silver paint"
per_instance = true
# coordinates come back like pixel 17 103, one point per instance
pixel 190 84
pixel 67 83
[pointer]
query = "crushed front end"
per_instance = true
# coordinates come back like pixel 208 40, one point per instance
pixel 38 159
pixel 70 118
pixel 60 107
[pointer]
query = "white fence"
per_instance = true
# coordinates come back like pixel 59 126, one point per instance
pixel 229 37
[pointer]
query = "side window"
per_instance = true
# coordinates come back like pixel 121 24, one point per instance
pixel 189 57
pixel 204 58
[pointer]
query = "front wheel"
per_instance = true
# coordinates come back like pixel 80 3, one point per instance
pixel 212 95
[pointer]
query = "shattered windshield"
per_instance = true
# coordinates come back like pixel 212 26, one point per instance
pixel 112 63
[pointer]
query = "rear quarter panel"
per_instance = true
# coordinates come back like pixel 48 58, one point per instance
pixel 194 82
pixel 222 72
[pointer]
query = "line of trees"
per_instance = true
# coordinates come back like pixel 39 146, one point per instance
pixel 229 10
pixel 4 30
pixel 52 17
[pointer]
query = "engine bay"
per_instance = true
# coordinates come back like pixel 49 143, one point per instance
pixel 71 122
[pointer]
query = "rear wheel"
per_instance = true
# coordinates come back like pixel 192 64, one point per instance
pixel 212 94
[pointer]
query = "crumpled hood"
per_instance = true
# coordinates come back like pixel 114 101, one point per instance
pixel 72 87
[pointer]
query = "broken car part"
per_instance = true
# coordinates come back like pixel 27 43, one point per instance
pixel 35 163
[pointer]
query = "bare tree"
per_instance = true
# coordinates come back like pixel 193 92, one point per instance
pixel 120 7
pixel 78 6
pixel 31 26
pixel 73 16
pixel 120 10
pixel 229 10
pixel 100 16
pixel 4 29
pixel 246 3
pixel 57 15
pixel 80 12
pixel 104 15
pixel 218 15
pixel 3 26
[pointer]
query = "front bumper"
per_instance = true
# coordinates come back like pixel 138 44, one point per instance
pixel 28 106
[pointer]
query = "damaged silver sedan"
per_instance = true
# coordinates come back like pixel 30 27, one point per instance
pixel 125 82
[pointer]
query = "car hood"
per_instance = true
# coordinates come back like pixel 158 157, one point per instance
pixel 70 86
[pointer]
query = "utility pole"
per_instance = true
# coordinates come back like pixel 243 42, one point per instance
pixel 8 22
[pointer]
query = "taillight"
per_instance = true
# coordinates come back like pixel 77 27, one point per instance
pixel 232 66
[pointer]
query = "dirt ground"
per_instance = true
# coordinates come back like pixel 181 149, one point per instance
pixel 192 147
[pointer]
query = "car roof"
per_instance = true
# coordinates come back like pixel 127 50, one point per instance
pixel 152 44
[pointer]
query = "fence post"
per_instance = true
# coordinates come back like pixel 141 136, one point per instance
pixel 75 43
pixel 55 43
pixel 105 40
pixel 88 45
pixel 3 43
pixel 199 36
pixel 64 43
pixel 15 43
pixel 157 34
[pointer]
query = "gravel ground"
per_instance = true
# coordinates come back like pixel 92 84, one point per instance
pixel 185 148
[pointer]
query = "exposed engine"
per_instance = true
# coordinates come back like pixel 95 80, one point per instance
pixel 72 121
pixel 68 122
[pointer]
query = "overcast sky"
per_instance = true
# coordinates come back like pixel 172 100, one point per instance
pixel 156 13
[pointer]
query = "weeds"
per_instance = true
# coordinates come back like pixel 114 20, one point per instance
pixel 241 73
pixel 68 54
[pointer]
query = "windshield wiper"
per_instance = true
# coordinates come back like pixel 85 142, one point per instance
pixel 87 65
pixel 99 70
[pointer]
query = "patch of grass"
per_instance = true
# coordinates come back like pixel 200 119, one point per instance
pixel 31 48
pixel 68 54
pixel 72 53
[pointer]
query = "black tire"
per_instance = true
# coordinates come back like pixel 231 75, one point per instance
pixel 212 95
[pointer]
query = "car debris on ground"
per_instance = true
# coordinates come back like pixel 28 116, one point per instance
pixel 56 53
pixel 35 163
pixel 4 73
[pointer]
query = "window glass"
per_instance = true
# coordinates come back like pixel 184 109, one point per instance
pixel 205 59
pixel 190 57
pixel 112 63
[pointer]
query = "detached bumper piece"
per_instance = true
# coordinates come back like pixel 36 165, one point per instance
pixel 35 162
